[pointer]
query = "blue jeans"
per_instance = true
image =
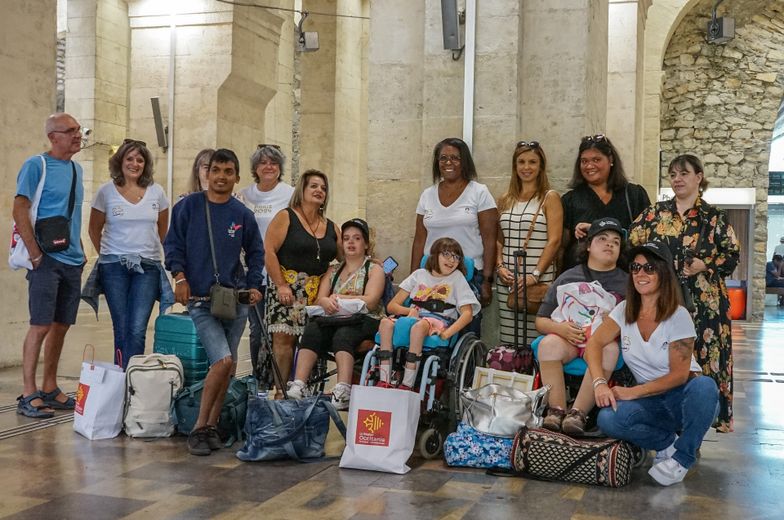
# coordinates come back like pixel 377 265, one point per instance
pixel 220 338
pixel 651 422
pixel 131 296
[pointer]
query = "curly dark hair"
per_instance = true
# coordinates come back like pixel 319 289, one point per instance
pixel 116 160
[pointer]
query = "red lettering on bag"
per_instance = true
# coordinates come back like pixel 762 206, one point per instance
pixel 81 397
pixel 58 241
pixel 373 427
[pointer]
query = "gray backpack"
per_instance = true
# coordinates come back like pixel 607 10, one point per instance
pixel 151 382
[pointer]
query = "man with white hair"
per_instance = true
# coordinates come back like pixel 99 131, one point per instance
pixel 779 248
pixel 54 282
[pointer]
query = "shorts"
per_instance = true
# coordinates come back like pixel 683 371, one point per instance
pixel 340 338
pixel 54 289
pixel 220 338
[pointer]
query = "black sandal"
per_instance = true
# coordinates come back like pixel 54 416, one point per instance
pixel 26 408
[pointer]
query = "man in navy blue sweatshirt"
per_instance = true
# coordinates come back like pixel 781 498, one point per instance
pixel 189 258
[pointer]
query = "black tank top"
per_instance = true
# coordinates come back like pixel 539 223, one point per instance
pixel 298 251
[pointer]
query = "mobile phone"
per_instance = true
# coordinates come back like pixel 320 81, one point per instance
pixel 390 264
pixel 243 296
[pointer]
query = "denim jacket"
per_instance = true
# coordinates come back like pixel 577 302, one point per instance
pixel 92 287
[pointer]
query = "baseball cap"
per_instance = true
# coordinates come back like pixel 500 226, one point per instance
pixel 359 224
pixel 657 249
pixel 605 224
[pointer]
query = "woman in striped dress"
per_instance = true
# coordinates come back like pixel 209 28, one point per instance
pixel 529 196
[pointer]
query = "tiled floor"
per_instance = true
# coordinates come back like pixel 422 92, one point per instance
pixel 48 471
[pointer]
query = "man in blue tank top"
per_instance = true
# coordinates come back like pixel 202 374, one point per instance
pixel 190 258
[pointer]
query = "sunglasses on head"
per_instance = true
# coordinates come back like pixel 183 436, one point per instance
pixel 648 267
pixel 275 146
pixel 529 144
pixel 597 138
pixel 134 141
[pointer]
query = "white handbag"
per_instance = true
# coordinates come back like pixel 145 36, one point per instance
pixel 382 426
pixel 18 255
pixel 98 413
pixel 503 410
pixel 151 382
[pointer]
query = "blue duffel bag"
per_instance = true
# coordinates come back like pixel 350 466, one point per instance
pixel 288 429
pixel 470 448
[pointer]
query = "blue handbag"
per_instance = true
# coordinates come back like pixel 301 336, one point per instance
pixel 470 448
pixel 288 429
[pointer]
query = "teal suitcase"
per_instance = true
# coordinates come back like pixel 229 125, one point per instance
pixel 175 334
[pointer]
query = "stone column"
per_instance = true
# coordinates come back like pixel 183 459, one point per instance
pixel 563 77
pixel 624 83
pixel 28 94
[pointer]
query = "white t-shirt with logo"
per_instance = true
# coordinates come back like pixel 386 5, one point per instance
pixel 454 289
pixel 459 221
pixel 265 204
pixel 650 360
pixel 131 228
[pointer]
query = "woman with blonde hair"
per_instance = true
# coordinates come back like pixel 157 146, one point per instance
pixel 532 220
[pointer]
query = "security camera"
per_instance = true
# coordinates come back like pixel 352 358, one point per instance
pixel 86 132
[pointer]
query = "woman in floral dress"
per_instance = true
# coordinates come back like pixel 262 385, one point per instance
pixel 705 252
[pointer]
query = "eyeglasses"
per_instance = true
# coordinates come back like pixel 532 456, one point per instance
pixel 449 255
pixel 447 158
pixel 594 138
pixel 134 141
pixel 69 131
pixel 648 267
pixel 529 144
pixel 262 145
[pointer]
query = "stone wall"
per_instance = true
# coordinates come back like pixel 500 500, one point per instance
pixel 28 94
pixel 720 103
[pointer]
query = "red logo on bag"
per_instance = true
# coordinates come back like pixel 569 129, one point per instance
pixel 373 427
pixel 81 397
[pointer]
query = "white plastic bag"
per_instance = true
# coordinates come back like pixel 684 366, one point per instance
pixel 99 399
pixel 382 426
pixel 18 255
pixel 346 307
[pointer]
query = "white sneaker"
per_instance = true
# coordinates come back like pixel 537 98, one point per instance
pixel 341 395
pixel 666 453
pixel 296 389
pixel 668 472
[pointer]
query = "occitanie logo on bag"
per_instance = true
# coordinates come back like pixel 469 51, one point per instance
pixel 81 397
pixel 373 427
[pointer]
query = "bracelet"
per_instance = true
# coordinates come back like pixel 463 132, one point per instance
pixel 599 381
pixel 498 266
pixel 178 282
pixel 37 258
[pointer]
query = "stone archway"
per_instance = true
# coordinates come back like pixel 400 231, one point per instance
pixel 721 102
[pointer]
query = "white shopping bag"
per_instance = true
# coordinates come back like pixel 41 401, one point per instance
pixel 99 400
pixel 382 426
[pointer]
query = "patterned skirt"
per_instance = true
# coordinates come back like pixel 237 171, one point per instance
pixel 290 319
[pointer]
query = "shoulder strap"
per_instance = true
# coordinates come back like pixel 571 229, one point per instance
pixel 212 243
pixel 367 274
pixel 628 205
pixel 336 277
pixel 587 273
pixel 533 221
pixel 71 199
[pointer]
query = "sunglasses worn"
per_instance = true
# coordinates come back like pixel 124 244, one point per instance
pixel 597 138
pixel 648 267
pixel 275 146
pixel 134 141
pixel 448 255
pixel 529 144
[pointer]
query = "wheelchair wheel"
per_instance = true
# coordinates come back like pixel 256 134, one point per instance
pixel 430 444
pixel 471 353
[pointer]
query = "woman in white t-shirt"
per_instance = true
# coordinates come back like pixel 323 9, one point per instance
pixel 458 207
pixel 128 221
pixel 657 342
pixel 264 198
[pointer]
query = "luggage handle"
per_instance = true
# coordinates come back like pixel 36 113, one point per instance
pixel 276 375
pixel 333 413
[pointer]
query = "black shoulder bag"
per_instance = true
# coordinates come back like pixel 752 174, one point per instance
pixel 53 234
pixel 223 300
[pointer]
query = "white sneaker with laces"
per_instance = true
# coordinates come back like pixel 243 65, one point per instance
pixel 341 395
pixel 666 453
pixel 296 389
pixel 668 472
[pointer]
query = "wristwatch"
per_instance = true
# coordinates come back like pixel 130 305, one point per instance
pixel 536 273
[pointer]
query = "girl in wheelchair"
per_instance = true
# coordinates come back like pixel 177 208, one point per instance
pixel 441 301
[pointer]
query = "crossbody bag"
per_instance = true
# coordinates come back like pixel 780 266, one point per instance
pixel 223 300
pixel 53 234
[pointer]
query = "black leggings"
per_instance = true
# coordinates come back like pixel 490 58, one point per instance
pixel 338 338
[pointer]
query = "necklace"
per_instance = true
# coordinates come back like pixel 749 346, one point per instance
pixel 313 232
